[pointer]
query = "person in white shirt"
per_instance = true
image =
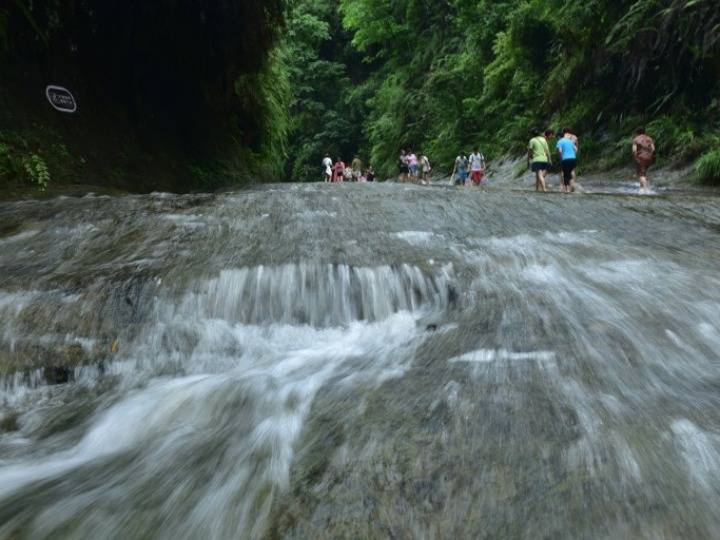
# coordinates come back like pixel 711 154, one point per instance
pixel 327 168
pixel 426 168
pixel 477 167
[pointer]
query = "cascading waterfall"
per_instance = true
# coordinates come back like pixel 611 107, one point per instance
pixel 360 361
pixel 225 373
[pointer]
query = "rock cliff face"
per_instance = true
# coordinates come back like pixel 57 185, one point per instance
pixel 154 82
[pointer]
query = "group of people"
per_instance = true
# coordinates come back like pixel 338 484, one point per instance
pixel 414 169
pixel 568 146
pixel 540 158
pixel 339 172
pixel 468 170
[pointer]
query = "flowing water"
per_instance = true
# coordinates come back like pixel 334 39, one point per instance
pixel 360 361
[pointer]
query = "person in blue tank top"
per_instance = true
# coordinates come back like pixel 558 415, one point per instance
pixel 460 167
pixel 567 147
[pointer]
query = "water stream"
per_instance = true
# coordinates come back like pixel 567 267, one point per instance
pixel 360 361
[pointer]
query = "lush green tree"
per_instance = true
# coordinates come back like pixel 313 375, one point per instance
pixel 328 103
pixel 273 85
pixel 453 74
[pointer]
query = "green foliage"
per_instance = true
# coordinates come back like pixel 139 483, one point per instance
pixel 276 84
pixel 328 100
pixel 36 170
pixel 681 138
pixel 708 167
pixel 667 46
pixel 8 164
pixel 449 75
pixel 672 135
pixel 17 163
pixel 267 93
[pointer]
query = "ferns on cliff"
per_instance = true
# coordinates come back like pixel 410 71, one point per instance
pixel 451 74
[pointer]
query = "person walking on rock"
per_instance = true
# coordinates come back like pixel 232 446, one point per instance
pixel 327 168
pixel 426 168
pixel 567 132
pixel 357 168
pixel 412 161
pixel 403 169
pixel 338 170
pixel 460 168
pixel 477 167
pixel 568 161
pixel 539 157
pixel 643 150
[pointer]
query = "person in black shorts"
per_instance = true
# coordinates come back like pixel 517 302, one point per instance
pixel 568 160
pixel 539 157
pixel 403 167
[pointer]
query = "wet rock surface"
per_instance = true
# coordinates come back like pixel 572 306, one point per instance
pixel 360 361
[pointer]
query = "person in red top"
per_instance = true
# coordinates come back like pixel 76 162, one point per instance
pixel 643 149
pixel 338 170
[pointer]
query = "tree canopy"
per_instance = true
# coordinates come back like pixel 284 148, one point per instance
pixel 445 75
pixel 270 86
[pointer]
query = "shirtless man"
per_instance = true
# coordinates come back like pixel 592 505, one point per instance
pixel 643 150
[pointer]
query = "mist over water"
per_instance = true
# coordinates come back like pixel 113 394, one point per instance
pixel 316 361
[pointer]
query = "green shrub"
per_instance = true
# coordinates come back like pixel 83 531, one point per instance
pixel 673 136
pixel 708 167
pixel 21 164
pixel 36 170
pixel 700 145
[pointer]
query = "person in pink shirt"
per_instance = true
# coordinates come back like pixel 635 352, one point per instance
pixel 413 166
pixel 338 170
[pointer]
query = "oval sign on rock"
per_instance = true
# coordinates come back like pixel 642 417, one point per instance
pixel 61 99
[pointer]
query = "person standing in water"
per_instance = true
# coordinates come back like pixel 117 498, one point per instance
pixel 556 167
pixel 370 174
pixel 403 168
pixel 357 168
pixel 643 150
pixel 412 161
pixel 568 161
pixel 338 170
pixel 477 167
pixel 539 157
pixel 426 168
pixel 327 168
pixel 567 132
pixel 460 168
